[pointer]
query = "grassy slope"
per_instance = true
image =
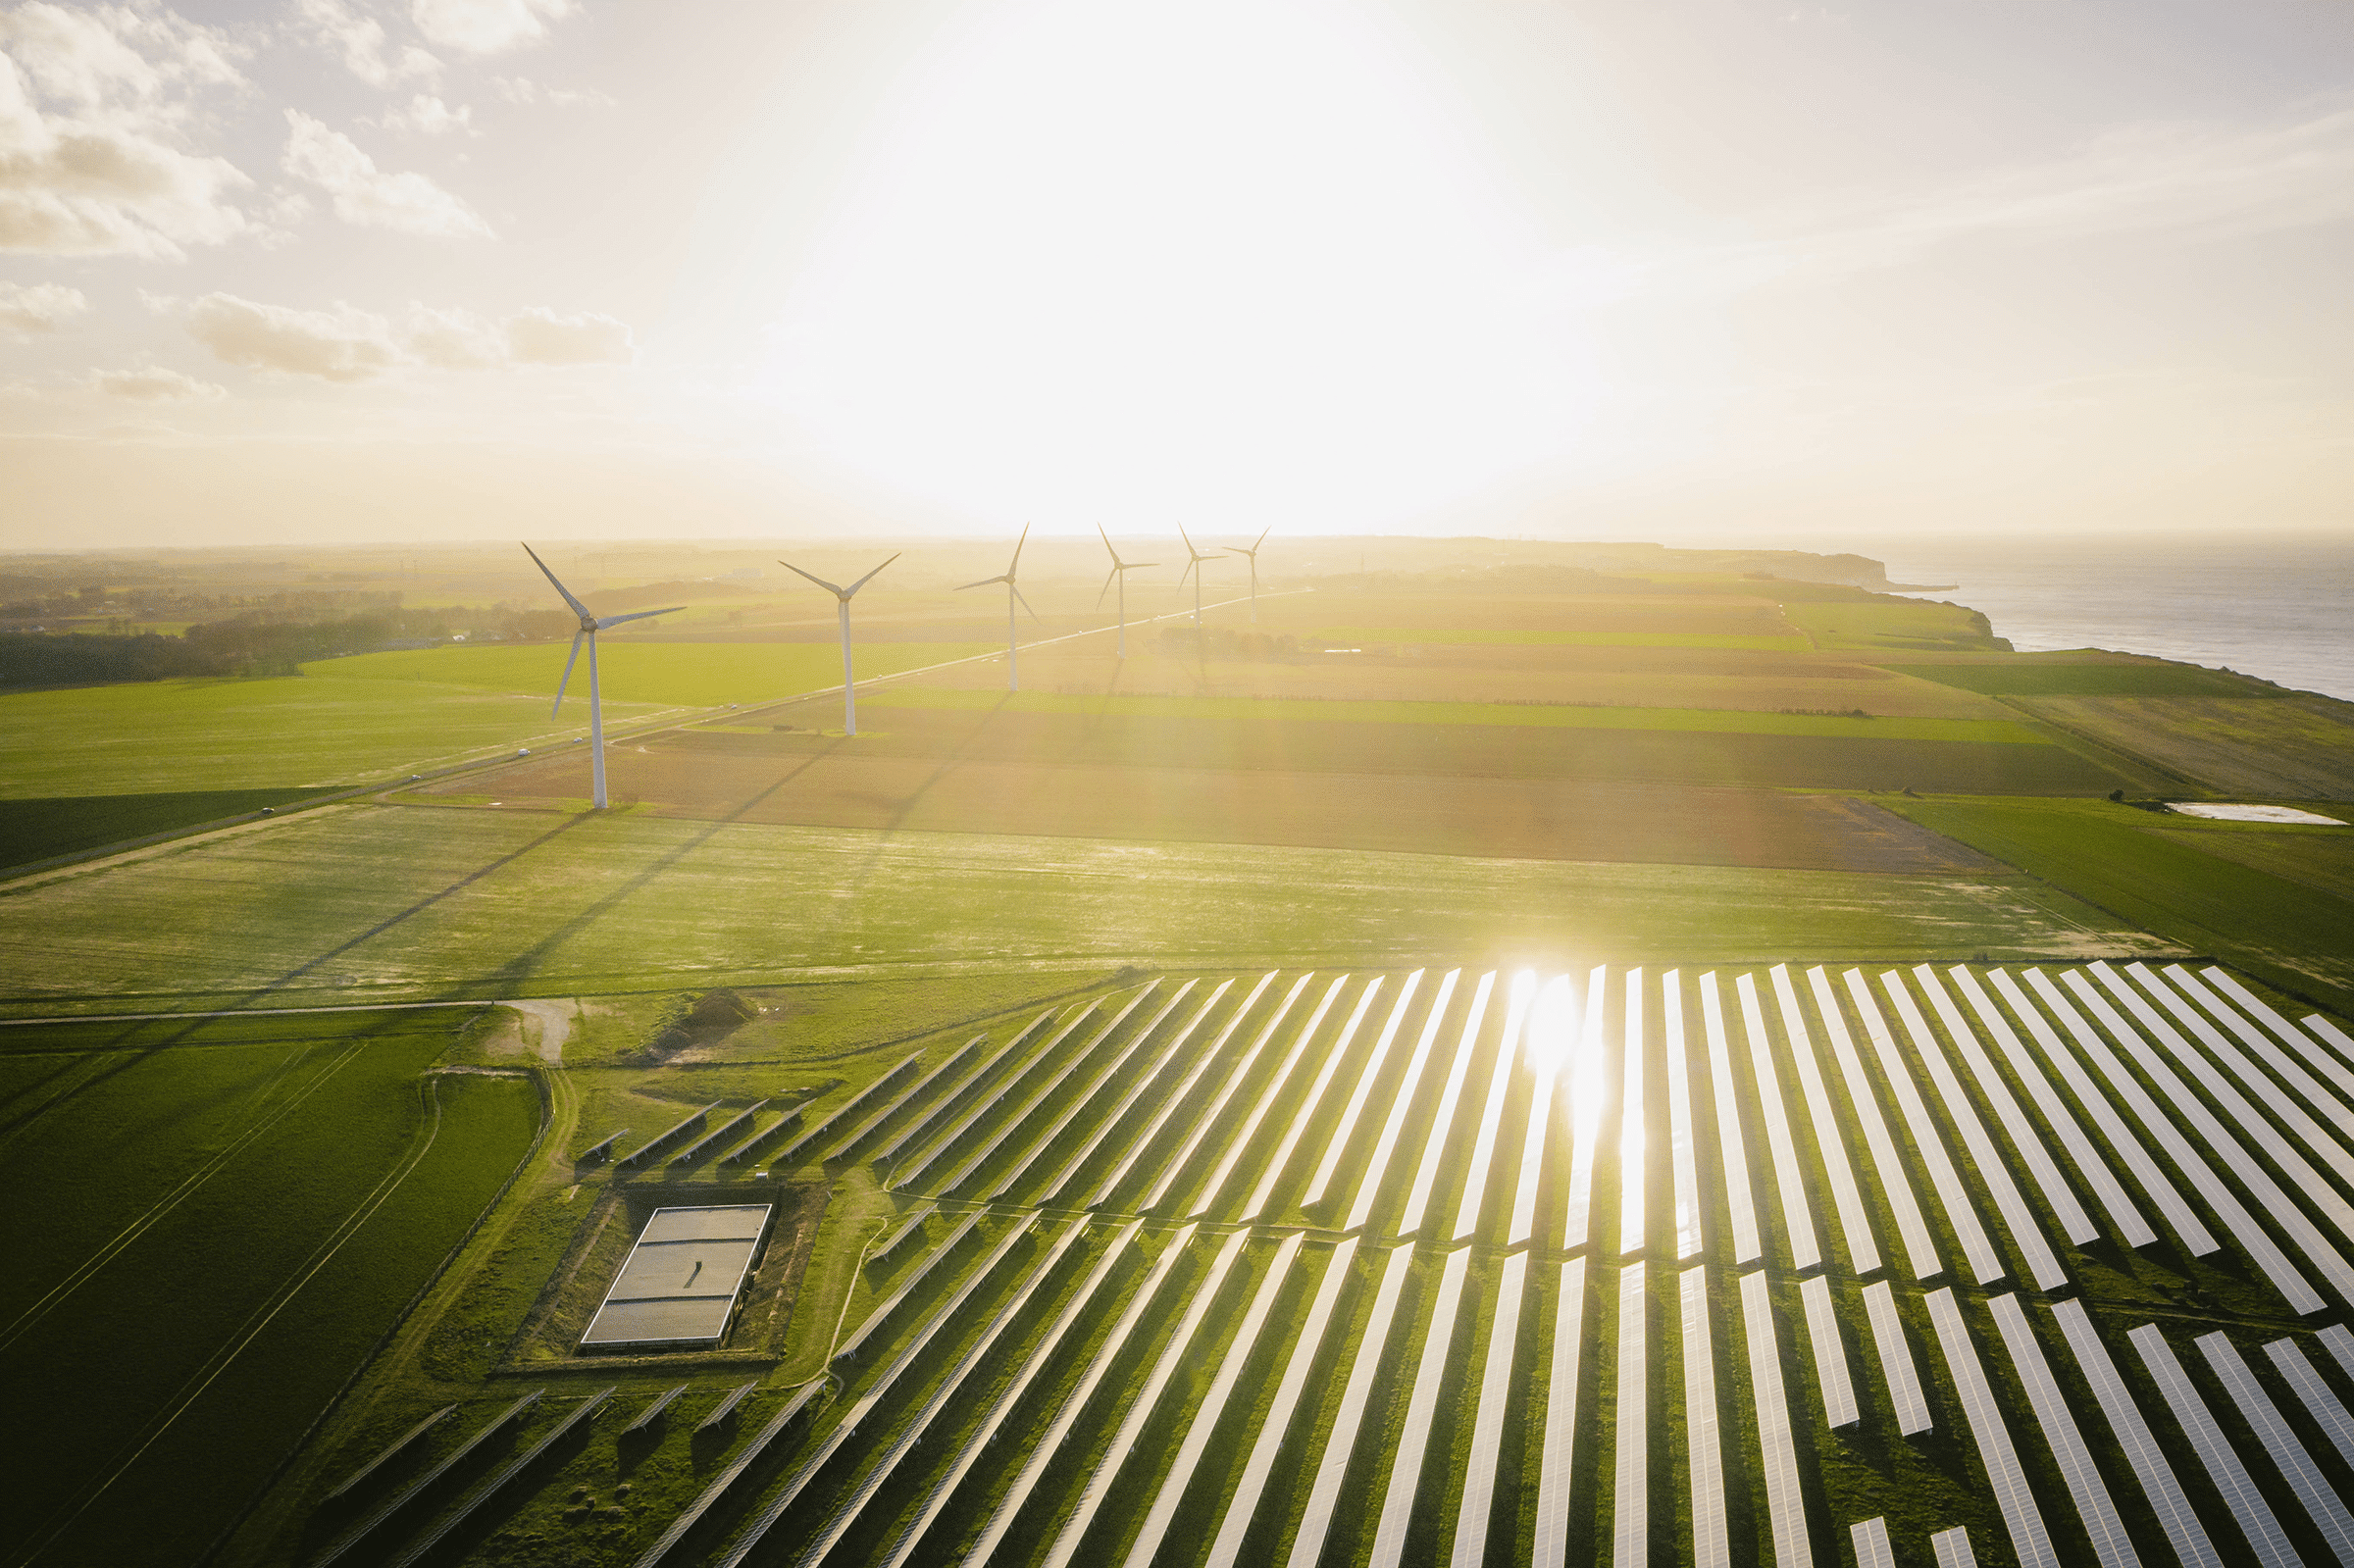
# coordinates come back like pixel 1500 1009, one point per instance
pixel 170 1316
pixel 410 903
pixel 1572 640
pixel 2090 679
pixel 1713 721
pixel 2291 934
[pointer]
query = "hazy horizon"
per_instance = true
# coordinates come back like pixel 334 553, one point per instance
pixel 347 271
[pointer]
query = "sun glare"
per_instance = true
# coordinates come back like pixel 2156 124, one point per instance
pixel 1204 259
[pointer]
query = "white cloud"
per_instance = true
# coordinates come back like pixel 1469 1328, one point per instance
pixel 154 384
pixel 353 345
pixel 37 308
pixel 343 345
pixel 369 197
pixel 524 90
pixel 429 116
pixel 486 26
pixel 359 39
pixel 94 161
pixel 540 336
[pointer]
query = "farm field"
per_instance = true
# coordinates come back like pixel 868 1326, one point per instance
pixel 1362 1262
pixel 2296 748
pixel 275 1193
pixel 35 830
pixel 2073 677
pixel 698 674
pixel 404 903
pixel 1511 818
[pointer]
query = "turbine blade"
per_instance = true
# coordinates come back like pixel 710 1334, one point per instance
pixel 869 578
pixel 1017 593
pixel 1115 555
pixel 1189 541
pixel 1262 539
pixel 983 583
pixel 1106 588
pixel 820 582
pixel 1016 563
pixel 1187 572
pixel 567 681
pixel 611 621
pixel 577 608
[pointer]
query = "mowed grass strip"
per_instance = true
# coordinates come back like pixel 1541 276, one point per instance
pixel 1525 716
pixel 1762 642
pixel 38 830
pixel 188 1363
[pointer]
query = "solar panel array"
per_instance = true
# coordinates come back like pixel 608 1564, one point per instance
pixel 1295 1268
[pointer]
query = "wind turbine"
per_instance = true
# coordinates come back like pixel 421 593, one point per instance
pixel 1119 572
pixel 1013 672
pixel 850 693
pixel 590 626
pixel 1253 553
pixel 1193 567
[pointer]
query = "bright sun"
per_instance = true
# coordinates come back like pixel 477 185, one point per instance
pixel 1216 259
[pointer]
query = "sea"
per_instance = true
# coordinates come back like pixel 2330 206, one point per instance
pixel 2281 607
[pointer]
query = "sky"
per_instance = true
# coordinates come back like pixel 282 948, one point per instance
pixel 1695 270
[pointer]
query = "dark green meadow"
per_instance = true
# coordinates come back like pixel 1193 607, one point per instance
pixel 213 1223
pixel 39 830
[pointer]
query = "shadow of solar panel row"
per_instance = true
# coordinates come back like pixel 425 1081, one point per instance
pixel 654 1409
pixel 424 1484
pixel 392 1450
pixel 958 1097
pixel 808 1143
pixel 762 1142
pixel 650 1148
pixel 505 1476
pixel 718 1136
pixel 600 1151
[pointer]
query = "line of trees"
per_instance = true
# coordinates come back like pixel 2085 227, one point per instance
pixel 254 643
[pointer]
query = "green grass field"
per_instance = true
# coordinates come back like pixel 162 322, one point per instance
pixel 1529 716
pixel 275 1193
pixel 2086 678
pixel 1886 623
pixel 391 902
pixel 1767 644
pixel 679 674
pixel 35 830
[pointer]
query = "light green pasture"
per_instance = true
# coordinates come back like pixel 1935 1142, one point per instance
pixel 1788 643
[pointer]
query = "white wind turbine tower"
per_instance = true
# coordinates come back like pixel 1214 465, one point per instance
pixel 849 691
pixel 1013 672
pixel 590 626
pixel 1119 573
pixel 1193 566
pixel 1253 553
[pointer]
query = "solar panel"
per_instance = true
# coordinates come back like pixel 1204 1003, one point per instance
pixel 726 1480
pixel 2074 1222
pixel 2151 1467
pixel 1777 1449
pixel 1557 1468
pixel 1952 1548
pixel 584 1412
pixel 1897 1370
pixel 1490 1116
pixel 2195 1237
pixel 1435 1143
pixel 1684 1152
pixel 921 1128
pixel 2233 1019
pixel 2094 1506
pixel 1487 1423
pixel 1107 1121
pixel 1557 999
pixel 1789 1175
pixel 992 1104
pixel 653 1410
pixel 1993 1166
pixel 1987 1429
pixel 1235 1526
pixel 1307 1541
pixel 2341 1344
pixel 1927 1147
pixel 1087 1053
pixel 849 1348
pixel 2266 1191
pixel 2282 1029
pixel 422 1484
pixel 1309 1104
pixel 1038 1354
pixel 1588 1087
pixel 2253 1514
pixel 1204 1421
pixel 822 1133
pixel 2328 1031
pixel 717 1416
pixel 1385 1147
pixel 1239 1142
pixel 1630 1513
pixel 1634 1129
pixel 654 1145
pixel 393 1449
pixel 1869 1540
pixel 1703 1444
pixel 1413 1438
pixel 1235 1080
pixel 1855 1220
pixel 1366 1079
pixel 1177 1096
pixel 1740 1209
pixel 1921 1252
pixel 912 1225
pixel 2328 1412
pixel 2314 1495
pixel 907 1098
pixel 1831 1356
pixel 1173 1356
